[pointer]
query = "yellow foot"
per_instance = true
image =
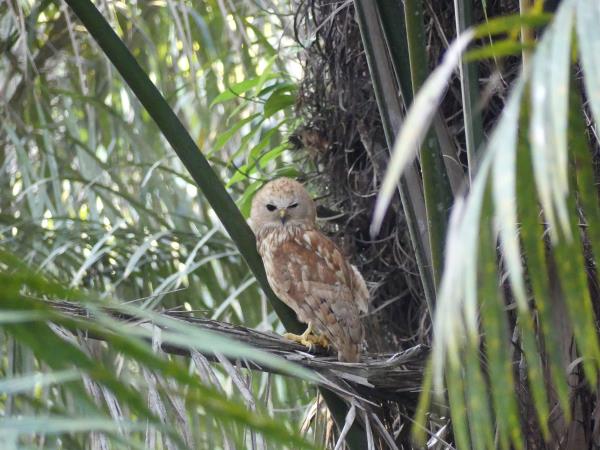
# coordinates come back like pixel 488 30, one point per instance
pixel 308 339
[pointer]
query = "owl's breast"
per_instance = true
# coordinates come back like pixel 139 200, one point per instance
pixel 278 249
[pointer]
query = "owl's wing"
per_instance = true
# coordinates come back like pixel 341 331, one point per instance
pixel 311 275
pixel 346 273
pixel 361 293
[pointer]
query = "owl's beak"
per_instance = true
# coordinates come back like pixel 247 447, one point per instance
pixel 283 215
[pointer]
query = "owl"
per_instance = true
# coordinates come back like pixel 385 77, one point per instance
pixel 306 270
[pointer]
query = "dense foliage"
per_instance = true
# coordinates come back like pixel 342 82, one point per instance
pixel 475 120
pixel 95 199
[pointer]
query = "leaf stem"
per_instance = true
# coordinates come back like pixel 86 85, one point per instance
pixel 436 186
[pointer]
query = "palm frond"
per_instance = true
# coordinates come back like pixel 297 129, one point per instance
pixel 489 215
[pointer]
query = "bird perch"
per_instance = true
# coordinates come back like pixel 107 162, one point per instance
pixel 383 375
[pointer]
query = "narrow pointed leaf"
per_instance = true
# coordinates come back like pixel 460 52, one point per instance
pixel 416 124
pixel 588 33
pixel 548 129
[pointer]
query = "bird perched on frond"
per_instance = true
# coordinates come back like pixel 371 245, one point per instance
pixel 307 270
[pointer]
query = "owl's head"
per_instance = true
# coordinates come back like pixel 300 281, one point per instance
pixel 280 203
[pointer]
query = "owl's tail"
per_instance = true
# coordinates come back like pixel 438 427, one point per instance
pixel 349 353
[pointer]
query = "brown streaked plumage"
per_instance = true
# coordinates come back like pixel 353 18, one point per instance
pixel 306 269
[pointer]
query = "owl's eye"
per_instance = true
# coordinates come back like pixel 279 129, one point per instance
pixel 293 205
pixel 271 207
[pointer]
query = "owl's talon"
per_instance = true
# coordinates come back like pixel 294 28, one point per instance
pixel 308 339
